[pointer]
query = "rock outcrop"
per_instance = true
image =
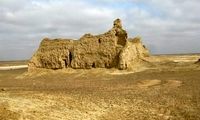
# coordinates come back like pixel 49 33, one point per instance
pixel 112 49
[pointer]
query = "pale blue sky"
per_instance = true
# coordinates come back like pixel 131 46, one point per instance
pixel 170 26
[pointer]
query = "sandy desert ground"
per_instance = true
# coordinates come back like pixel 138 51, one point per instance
pixel 167 90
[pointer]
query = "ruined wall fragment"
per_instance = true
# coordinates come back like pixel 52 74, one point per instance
pixel 109 50
pixel 131 53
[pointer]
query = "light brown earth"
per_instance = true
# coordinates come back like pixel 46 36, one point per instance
pixel 169 89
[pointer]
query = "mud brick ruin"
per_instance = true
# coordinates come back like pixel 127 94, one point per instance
pixel 112 49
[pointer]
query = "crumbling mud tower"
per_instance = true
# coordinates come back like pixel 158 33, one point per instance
pixel 112 49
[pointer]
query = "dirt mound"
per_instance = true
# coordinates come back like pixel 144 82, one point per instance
pixel 155 82
pixel 148 83
pixel 173 83
pixel 112 49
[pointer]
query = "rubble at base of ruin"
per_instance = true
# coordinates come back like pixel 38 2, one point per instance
pixel 112 49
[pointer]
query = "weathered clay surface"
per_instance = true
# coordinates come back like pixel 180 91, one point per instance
pixel 131 53
pixel 108 50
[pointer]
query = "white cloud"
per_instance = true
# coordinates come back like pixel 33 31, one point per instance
pixel 164 25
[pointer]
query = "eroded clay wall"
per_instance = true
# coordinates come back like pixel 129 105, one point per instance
pixel 133 50
pixel 108 50
pixel 95 52
pixel 52 54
